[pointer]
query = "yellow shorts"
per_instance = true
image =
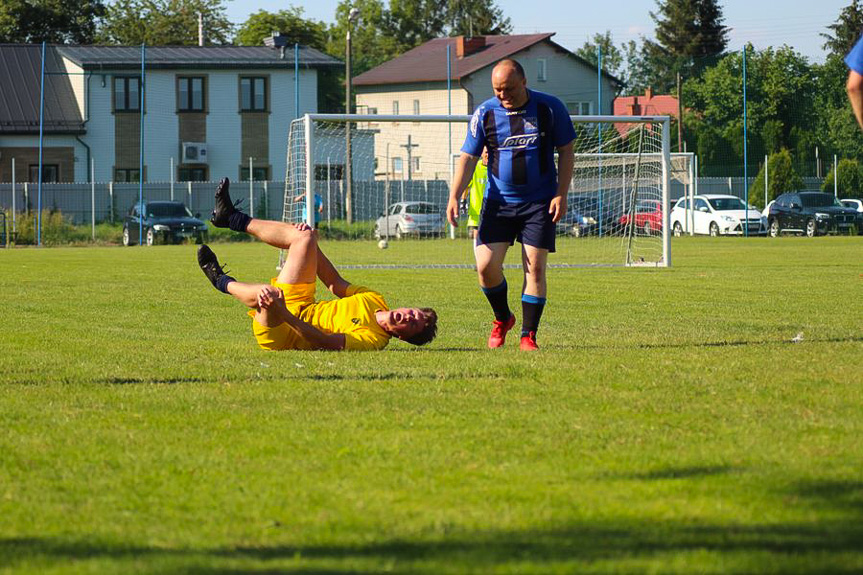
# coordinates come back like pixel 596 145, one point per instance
pixel 298 298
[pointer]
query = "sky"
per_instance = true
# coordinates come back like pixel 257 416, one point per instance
pixel 764 23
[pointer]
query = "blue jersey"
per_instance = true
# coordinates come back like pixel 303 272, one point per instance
pixel 521 145
pixel 854 59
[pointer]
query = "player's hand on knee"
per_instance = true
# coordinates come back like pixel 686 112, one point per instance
pixel 302 226
pixel 269 296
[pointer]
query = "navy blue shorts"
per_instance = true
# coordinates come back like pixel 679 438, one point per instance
pixel 528 222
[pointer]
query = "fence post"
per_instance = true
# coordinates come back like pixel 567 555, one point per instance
pixel 172 178
pixel 329 195
pixel 189 184
pixel 266 199
pixel 93 195
pixel 111 199
pixel 13 198
pixel 26 198
pixel 251 188
pixel 766 178
pixel 835 177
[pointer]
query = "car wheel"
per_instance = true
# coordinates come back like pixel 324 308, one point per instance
pixel 773 228
pixel 127 237
pixel 678 230
pixel 398 232
pixel 647 229
pixel 811 229
pixel 151 237
pixel 714 230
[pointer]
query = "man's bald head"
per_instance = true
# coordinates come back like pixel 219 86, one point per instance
pixel 509 84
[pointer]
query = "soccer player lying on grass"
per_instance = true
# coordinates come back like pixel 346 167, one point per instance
pixel 285 314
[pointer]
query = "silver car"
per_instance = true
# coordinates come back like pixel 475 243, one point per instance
pixel 411 218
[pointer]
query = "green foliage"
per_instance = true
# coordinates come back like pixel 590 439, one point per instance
pixel 165 22
pixel 289 22
pixel 53 21
pixel 850 179
pixel 612 56
pixel 781 178
pixel 845 31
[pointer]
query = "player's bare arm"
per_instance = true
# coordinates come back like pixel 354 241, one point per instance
pixel 854 87
pixel 565 165
pixel 463 172
pixel 271 299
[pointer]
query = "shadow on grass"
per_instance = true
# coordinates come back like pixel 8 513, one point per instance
pixel 830 546
pixel 732 343
pixel 681 472
pixel 150 381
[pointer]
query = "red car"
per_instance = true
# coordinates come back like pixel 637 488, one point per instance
pixel 648 217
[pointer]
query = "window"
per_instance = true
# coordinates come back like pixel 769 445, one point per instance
pixel 127 97
pixel 50 173
pixel 126 175
pixel 192 174
pixel 397 164
pixel 336 171
pixel 260 174
pixel 580 108
pixel 542 70
pixel 395 107
pixel 371 110
pixel 253 94
pixel 701 205
pixel 416 162
pixel 416 107
pixel 190 94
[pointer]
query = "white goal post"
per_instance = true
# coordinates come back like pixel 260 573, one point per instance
pixel 402 166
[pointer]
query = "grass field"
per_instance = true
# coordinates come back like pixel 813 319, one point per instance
pixel 669 423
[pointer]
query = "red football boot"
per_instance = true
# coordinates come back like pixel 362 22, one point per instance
pixel 498 332
pixel 528 342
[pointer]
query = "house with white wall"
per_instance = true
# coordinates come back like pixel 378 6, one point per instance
pixel 417 83
pixel 208 112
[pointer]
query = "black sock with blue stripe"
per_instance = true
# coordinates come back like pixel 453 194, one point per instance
pixel 497 298
pixel 222 283
pixel 531 312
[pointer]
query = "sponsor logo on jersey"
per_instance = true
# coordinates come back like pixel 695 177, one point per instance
pixel 530 125
pixel 515 112
pixel 519 142
pixel 355 320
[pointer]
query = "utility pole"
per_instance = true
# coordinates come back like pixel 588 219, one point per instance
pixel 409 147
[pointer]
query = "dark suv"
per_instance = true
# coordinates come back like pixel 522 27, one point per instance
pixel 163 222
pixel 810 213
pixel 587 216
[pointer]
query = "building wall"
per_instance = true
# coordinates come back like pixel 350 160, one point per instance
pixel 61 151
pixel 430 142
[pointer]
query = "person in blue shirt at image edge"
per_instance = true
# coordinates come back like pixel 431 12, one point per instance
pixel 854 86
pixel 524 198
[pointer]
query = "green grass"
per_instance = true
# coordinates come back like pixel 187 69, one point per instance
pixel 668 424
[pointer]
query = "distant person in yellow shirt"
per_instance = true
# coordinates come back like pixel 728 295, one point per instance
pixel 285 314
pixel 474 194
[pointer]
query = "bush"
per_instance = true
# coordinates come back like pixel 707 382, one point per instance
pixel 850 179
pixel 782 178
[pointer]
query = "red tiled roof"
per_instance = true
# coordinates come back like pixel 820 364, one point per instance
pixel 646 105
pixel 427 62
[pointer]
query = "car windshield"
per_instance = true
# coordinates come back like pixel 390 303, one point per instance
pixel 422 209
pixel 724 204
pixel 168 211
pixel 819 200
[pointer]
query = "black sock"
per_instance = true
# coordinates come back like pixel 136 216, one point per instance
pixel 222 283
pixel 531 312
pixel 238 221
pixel 497 298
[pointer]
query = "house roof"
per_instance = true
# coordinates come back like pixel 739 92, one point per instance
pixel 648 104
pixel 185 57
pixel 427 62
pixel 20 86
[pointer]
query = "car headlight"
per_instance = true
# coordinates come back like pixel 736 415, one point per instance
pixel 161 228
pixel 728 219
pixel 822 216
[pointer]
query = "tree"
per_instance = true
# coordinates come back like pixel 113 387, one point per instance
pixel 781 178
pixel 165 22
pixel 54 21
pixel 476 18
pixel 289 22
pixel 850 179
pixel 846 30
pixel 612 56
pixel 690 37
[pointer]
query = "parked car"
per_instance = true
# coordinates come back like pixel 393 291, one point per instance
pixel 648 217
pixel 856 205
pixel 163 222
pixel 411 218
pixel 716 215
pixel 810 213
pixel 587 216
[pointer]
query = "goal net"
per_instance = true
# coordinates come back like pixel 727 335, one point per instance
pixel 401 168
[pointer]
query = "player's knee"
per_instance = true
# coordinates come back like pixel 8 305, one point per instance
pixel 307 238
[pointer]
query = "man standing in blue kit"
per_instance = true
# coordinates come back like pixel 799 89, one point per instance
pixel 524 198
pixel 854 86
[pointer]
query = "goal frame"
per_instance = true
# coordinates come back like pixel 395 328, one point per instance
pixel 347 119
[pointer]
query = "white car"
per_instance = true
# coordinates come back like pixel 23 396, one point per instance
pixel 716 215
pixel 411 219
pixel 856 204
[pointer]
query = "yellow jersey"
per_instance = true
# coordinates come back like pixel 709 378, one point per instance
pixel 476 189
